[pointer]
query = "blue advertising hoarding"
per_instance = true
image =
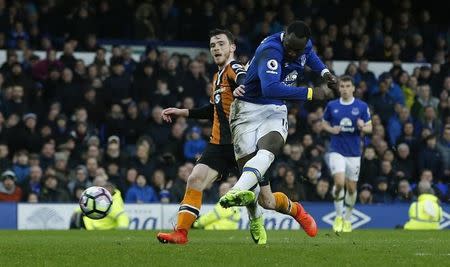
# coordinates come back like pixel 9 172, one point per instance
pixel 8 214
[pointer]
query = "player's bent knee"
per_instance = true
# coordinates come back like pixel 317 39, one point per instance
pixel 196 182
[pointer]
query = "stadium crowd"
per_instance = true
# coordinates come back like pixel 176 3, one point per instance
pixel 64 122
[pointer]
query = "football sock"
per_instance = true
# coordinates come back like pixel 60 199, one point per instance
pixel 189 209
pixel 349 202
pixel 284 205
pixel 338 201
pixel 254 170
pixel 254 209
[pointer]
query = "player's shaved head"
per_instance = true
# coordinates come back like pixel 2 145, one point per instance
pixel 299 29
pixel 295 39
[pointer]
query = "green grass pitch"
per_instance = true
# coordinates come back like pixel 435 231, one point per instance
pixel 225 248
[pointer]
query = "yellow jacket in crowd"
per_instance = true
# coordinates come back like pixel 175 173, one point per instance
pixel 424 214
pixel 219 219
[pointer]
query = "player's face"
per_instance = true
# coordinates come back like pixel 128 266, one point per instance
pixel 293 46
pixel 346 88
pixel 221 49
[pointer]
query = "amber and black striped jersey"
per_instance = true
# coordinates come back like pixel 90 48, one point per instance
pixel 224 83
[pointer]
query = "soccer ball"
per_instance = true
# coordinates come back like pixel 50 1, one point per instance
pixel 96 202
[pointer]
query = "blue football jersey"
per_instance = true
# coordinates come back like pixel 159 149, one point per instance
pixel 348 141
pixel 271 80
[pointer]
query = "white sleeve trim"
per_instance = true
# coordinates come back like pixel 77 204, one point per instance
pixel 324 71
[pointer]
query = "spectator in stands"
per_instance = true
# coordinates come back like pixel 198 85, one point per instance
pixel 51 191
pixel 444 148
pixel 118 85
pixel 365 194
pixel 387 170
pixel 30 136
pixel 91 166
pixel 115 121
pixel 404 165
pixel 430 157
pixel 382 102
pixel 364 74
pixel 424 99
pixel 322 192
pixel 140 192
pixel 194 145
pixel 369 166
pixel 291 187
pixel 162 95
pixel 9 191
pixel 33 183
pixel 144 83
pixel 404 192
pixel 438 187
pixel 143 162
pixel 175 143
pixel 80 180
pixel 179 184
pixel 382 194
pixel 396 122
pixel 20 167
pixel 67 58
pixel 40 70
pixel 159 183
pixel 431 121
pixel 194 82
pixel 15 103
pixel 4 157
pixel 61 168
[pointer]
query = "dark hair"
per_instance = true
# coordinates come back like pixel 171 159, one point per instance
pixel 346 78
pixel 300 29
pixel 229 35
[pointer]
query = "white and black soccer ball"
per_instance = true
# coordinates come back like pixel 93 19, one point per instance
pixel 96 202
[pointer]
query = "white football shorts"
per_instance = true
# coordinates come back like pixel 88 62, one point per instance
pixel 249 122
pixel 348 165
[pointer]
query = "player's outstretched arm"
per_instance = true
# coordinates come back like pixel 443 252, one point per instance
pixel 205 112
pixel 169 113
pixel 314 62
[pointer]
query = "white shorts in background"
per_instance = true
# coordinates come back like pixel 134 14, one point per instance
pixel 348 165
pixel 249 122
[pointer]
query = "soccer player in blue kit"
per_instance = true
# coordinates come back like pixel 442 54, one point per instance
pixel 258 118
pixel 345 119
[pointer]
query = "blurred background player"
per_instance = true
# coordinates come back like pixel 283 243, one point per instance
pixel 346 119
pixel 218 157
pixel 220 218
pixel 259 118
pixel 425 213
pixel 117 218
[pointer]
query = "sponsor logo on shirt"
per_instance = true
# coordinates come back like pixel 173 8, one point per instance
pixel 346 125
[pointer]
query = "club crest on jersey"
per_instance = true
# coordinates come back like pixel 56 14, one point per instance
pixel 355 111
pixel 217 98
pixel 303 60
pixel 291 78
